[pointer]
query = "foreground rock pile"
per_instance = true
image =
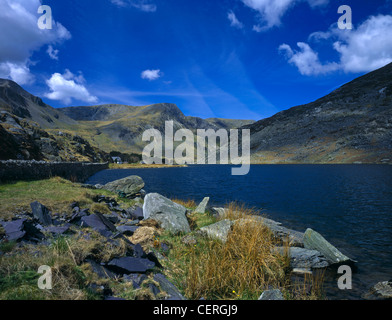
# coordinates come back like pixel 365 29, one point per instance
pixel 137 226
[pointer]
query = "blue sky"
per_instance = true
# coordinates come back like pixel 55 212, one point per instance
pixel 246 59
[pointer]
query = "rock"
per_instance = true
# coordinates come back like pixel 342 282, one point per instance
pixel 136 213
pixel 57 230
pixel 127 265
pixel 41 213
pixel 201 208
pixel 275 294
pixel 217 212
pixel 99 223
pixel 294 238
pixel 100 270
pixel 218 231
pixel 154 289
pixel 14 229
pixel 168 287
pixel 21 229
pixel 382 290
pixel 314 241
pixel 127 230
pixel 189 240
pixel 301 258
pixel 129 186
pixel 136 279
pixel 170 215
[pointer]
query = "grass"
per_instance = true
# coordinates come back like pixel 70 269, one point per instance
pixel 55 193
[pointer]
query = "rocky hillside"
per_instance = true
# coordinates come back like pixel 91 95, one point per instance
pixel 21 139
pixel 352 124
pixel 15 100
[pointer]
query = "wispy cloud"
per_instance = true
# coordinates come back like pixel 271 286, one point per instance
pixel 234 22
pixel 271 12
pixel 143 5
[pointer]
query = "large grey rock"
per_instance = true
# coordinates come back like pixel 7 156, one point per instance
pixel 301 258
pixel 168 287
pixel 315 241
pixel 275 294
pixel 170 215
pixel 218 231
pixel 130 186
pixel 201 208
pixel 41 213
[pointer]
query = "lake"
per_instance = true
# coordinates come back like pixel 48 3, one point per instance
pixel 350 205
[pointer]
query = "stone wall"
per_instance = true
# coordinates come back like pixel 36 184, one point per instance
pixel 13 170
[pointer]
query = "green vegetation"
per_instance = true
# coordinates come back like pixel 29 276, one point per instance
pixel 56 193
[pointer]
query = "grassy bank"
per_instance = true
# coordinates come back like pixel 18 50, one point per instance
pixel 240 268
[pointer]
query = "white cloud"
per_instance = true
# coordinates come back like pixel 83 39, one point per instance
pixel 143 5
pixel 234 22
pixel 367 48
pixel 20 37
pixel 67 86
pixel 151 74
pixel 18 72
pixel 53 53
pixel 271 11
pixel 363 49
pixel 307 60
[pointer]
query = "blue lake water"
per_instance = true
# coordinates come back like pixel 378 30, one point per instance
pixel 350 205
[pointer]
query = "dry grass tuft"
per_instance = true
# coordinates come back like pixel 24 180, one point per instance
pixel 145 236
pixel 241 268
pixel 190 204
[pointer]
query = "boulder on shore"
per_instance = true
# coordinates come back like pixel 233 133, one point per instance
pixel 169 214
pixel 218 231
pixel 305 259
pixel 315 241
pixel 129 186
pixel 380 291
pixel 201 208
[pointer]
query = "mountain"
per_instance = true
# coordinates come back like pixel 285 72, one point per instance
pixel 123 125
pixel 15 100
pixel 351 124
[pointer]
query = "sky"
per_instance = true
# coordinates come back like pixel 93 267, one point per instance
pixel 241 59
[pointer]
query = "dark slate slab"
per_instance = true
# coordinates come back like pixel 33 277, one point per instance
pixel 168 287
pixel 100 270
pixel 127 265
pixel 41 213
pixel 127 230
pixel 14 229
